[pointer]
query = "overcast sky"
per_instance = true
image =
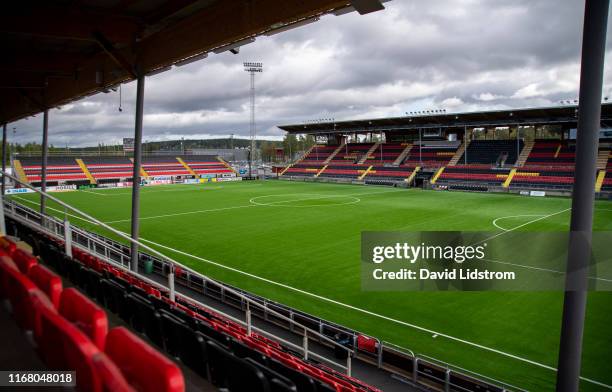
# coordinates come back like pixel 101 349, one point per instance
pixel 460 55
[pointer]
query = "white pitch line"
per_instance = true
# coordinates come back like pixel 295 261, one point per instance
pixel 368 312
pixel 237 207
pixel 419 328
pixel 540 269
pixel 55 209
pixel 510 216
pixel 523 225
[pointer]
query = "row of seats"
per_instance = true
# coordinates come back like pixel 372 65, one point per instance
pixel 386 153
pixel 213 346
pixel 551 153
pixel 71 331
pixel 319 153
pixel 473 174
pixel 493 152
pixel 67 170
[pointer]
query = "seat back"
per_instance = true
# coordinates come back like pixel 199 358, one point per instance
pixel 63 346
pixel 110 376
pixel 18 289
pixel 143 367
pixel 47 281
pixel 6 264
pixel 23 260
pixel 84 314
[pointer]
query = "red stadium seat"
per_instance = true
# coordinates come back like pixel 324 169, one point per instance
pixel 84 314
pixel 110 376
pixel 7 245
pixel 144 368
pixel 19 289
pixel 48 282
pixel 63 346
pixel 23 260
pixel 6 263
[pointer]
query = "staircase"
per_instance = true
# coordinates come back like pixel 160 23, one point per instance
pixel 333 154
pixel 600 180
pixel 320 171
pixel 414 173
pixel 286 168
pixel 506 183
pixel 402 156
pixel 437 175
pixel 19 171
pixel 602 159
pixel 226 164
pixel 459 153
pixel 85 170
pixel 370 152
pixel 143 172
pixel 522 158
pixel 186 166
pixel 365 173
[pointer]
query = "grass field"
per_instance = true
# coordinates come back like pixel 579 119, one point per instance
pixel 299 244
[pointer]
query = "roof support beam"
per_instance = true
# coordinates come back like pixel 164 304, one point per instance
pixel 115 55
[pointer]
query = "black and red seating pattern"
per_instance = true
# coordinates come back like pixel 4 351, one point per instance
pixel 307 169
pixel 71 331
pixel 109 167
pixel 386 153
pixel 390 172
pixel 544 177
pixel 430 155
pixel 344 171
pixel 318 154
pixel 164 166
pixel 474 174
pixel 215 347
pixel 205 164
pixel 551 153
pixel 351 153
pixel 60 169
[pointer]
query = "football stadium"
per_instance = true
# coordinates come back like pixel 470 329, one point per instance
pixel 184 269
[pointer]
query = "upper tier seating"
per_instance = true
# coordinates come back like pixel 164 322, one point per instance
pixel 74 336
pixel 385 153
pixel 473 174
pixel 351 153
pixel 205 164
pixel 59 169
pixel 319 154
pixel 551 153
pixel 109 167
pixel 431 154
pixel 492 152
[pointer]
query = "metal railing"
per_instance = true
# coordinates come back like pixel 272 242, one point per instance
pixel 118 254
pixel 64 231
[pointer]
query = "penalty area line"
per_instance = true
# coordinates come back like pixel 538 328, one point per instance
pixel 370 313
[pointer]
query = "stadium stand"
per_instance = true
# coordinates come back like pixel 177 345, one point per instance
pixel 544 177
pixel 164 166
pixel 385 153
pixel 379 172
pixel 480 174
pixel 353 171
pixel 305 169
pixel 492 152
pixel 318 154
pixel 431 154
pixel 551 153
pixel 74 335
pixel 205 164
pixel 109 168
pixel 352 153
pixel 59 170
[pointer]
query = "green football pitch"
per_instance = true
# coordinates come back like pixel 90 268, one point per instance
pixel 299 244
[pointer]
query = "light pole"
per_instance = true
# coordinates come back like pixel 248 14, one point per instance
pixel 252 68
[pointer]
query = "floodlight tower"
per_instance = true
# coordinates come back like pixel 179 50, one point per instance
pixel 252 68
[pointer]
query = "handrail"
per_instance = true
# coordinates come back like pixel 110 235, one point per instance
pixel 173 263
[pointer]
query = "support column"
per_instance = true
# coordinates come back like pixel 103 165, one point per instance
pixel 45 154
pixel 3 157
pixel 140 81
pixel 581 226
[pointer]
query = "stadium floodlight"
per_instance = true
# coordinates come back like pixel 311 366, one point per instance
pixel 275 29
pixel 252 68
pixel 233 47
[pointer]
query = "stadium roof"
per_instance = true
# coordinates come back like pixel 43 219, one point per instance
pixel 564 115
pixel 58 51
